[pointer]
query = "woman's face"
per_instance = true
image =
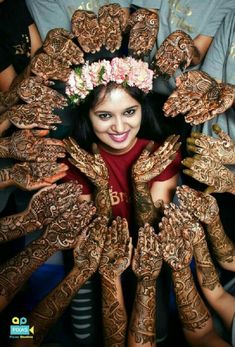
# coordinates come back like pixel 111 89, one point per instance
pixel 116 121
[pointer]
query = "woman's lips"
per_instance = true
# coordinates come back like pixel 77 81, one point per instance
pixel 119 137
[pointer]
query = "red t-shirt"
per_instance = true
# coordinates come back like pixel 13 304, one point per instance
pixel 119 167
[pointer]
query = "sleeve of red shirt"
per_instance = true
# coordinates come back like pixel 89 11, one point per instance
pixel 73 174
pixel 171 170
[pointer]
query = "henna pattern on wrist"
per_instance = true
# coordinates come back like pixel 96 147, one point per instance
pixel 145 209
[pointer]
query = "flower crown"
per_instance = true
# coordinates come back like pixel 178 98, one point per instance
pixel 125 71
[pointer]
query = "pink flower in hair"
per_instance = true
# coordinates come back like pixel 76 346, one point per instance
pixel 120 70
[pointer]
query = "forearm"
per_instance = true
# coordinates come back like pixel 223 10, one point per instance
pixel 103 202
pixel 17 225
pixel 47 312
pixel 145 209
pixel 15 272
pixel 222 246
pixel 208 276
pixel 192 310
pixel 143 320
pixel 114 314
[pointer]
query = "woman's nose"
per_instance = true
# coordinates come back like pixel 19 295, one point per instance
pixel 118 125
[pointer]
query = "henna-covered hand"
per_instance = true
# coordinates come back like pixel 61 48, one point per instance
pixel 43 65
pixel 92 165
pixel 112 21
pixel 191 86
pixel 32 175
pixel 176 244
pixel 87 255
pixel 64 231
pixel 8 99
pixel 144 25
pixel 33 115
pixel 204 169
pixel 150 165
pixel 117 250
pixel 176 51
pixel 86 28
pixel 220 149
pixel 58 44
pixel 30 145
pixel 33 89
pixel 147 260
pixel 202 205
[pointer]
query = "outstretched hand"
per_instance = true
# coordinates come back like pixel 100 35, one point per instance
pixel 176 51
pixel 144 25
pixel 150 165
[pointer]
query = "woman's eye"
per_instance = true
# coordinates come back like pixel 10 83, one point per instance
pixel 104 115
pixel 129 112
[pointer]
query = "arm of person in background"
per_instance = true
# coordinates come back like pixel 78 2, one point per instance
pixel 60 234
pixel 146 264
pixel 196 320
pixel 148 166
pixel 220 149
pixel 94 167
pixel 208 171
pixel 87 252
pixel 205 208
pixel 115 258
pixel 45 205
pixel 31 145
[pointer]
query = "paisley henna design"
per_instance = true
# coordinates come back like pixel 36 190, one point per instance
pixel 33 115
pixel 176 51
pixel 31 145
pixel 49 68
pixel 220 149
pixel 146 265
pixel 144 25
pixel 58 45
pixel 191 86
pixel 94 167
pixel 86 28
pixel 112 22
pixel 226 98
pixel 44 207
pixel 203 206
pixel 114 260
pixel 86 259
pixel 33 89
pixel 204 169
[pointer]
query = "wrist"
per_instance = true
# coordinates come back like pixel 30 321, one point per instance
pixel 4 147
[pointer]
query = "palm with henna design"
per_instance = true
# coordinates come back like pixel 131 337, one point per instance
pixel 144 25
pixel 93 166
pixel 34 89
pixel 86 28
pixel 220 149
pixel 31 145
pixel 147 259
pixel 33 115
pixel 150 165
pixel 176 51
pixel 33 175
pixel 204 169
pixel 112 21
pixel 58 45
pixel 202 205
pixel 49 68
pixel 117 250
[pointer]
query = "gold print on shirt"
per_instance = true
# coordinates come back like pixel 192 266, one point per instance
pixel 179 14
pixel 23 48
pixel 117 197
pixel 92 5
pixel 232 50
